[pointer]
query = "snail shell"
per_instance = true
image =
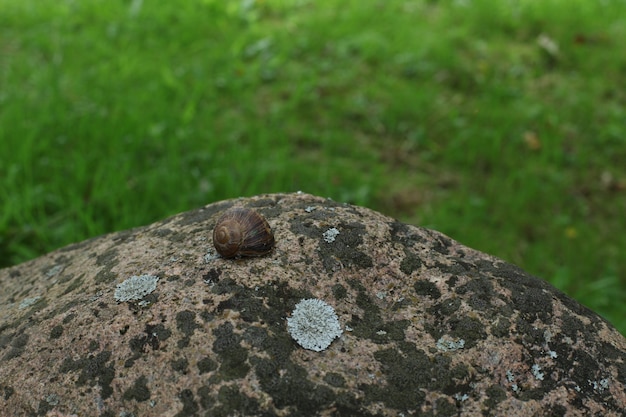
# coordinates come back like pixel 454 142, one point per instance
pixel 242 232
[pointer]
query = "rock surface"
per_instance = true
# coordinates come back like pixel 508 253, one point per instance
pixel 430 327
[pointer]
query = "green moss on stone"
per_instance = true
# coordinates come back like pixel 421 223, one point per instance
pixel 186 323
pixel 233 356
pixel 207 397
pixel 139 391
pixel 334 379
pixel 410 263
pixel 445 408
pixel 206 364
pixel 409 373
pixel 496 394
pixel 180 365
pixel 94 370
pixel 190 406
pixel 467 328
pixel 108 259
pixel 233 402
pixel 427 288
pixel 105 276
pixel 75 284
pixel 339 291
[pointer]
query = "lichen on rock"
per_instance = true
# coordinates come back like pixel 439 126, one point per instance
pixel 314 324
pixel 135 288
pixel 432 327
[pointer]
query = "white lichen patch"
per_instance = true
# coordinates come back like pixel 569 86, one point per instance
pixel 446 343
pixel 461 398
pixel 599 386
pixel 313 324
pixel 53 399
pixel 27 302
pixel 330 235
pixel 547 335
pixel 55 270
pixel 135 288
pixel 536 370
pixel 509 375
pixel 210 256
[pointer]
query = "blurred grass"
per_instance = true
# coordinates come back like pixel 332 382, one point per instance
pixel 501 124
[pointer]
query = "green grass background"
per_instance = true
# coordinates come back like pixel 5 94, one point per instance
pixel 500 123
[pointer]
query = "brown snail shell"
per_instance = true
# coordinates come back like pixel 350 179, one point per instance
pixel 242 232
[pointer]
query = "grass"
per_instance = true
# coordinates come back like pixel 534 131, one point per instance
pixel 501 124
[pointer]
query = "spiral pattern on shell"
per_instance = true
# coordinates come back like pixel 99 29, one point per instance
pixel 242 232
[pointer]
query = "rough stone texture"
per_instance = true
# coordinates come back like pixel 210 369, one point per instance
pixel 431 327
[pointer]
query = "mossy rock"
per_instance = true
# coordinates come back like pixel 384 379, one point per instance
pixel 429 326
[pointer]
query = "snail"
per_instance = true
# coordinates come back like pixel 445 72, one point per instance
pixel 242 232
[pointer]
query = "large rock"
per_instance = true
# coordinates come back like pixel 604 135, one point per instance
pixel 430 327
